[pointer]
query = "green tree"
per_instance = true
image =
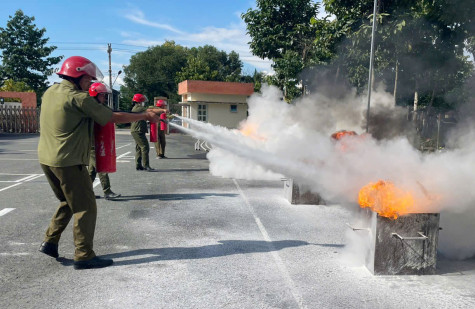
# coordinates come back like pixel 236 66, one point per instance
pixel 209 63
pixel 25 56
pixel 419 46
pixel 158 70
pixel 11 85
pixel 282 31
pixel 153 73
pixel 233 67
pixel 196 69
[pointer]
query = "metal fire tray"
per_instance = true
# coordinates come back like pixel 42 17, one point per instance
pixel 403 246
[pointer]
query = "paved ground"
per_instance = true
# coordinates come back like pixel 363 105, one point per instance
pixel 181 238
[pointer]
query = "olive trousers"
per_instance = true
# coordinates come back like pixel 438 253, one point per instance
pixel 141 150
pixel 73 188
pixel 103 177
pixel 161 143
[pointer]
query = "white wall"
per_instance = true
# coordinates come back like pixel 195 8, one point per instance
pixel 216 97
pixel 220 114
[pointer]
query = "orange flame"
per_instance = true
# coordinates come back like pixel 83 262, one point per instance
pixel 386 199
pixel 343 145
pixel 340 134
pixel 250 130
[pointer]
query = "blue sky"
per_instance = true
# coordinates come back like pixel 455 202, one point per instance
pixel 85 27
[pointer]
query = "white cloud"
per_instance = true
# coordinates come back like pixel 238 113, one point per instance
pixel 232 38
pixel 138 16
pixel 143 42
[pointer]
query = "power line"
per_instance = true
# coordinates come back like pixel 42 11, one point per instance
pixel 89 43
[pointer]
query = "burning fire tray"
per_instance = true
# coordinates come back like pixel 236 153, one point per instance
pixel 403 246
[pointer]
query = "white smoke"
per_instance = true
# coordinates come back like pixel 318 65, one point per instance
pixel 294 140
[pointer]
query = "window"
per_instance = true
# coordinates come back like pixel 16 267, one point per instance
pixel 233 108
pixel 202 113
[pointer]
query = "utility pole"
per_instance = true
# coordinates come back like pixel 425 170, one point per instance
pixel 111 99
pixel 371 60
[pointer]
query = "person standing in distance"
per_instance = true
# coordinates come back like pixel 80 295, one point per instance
pixel 67 118
pixel 138 130
pixel 161 142
pixel 100 92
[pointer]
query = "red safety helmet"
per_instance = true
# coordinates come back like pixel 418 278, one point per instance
pixel 139 98
pixel 77 66
pixel 161 103
pixel 97 88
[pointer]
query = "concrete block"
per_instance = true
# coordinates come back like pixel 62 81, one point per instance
pixel 299 194
pixel 404 246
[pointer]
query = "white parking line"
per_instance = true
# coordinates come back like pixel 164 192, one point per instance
pixel 10 186
pixel 33 178
pixel 30 177
pixel 5 211
pixel 16 159
pixel 25 178
pixel 96 182
pixel 124 154
pixel 280 263
pixel 123 146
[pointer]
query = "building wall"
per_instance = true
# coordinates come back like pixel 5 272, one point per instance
pixel 220 114
pixel 201 86
pixel 28 99
pixel 218 97
pixel 207 97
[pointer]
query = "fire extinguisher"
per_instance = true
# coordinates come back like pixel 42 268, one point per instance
pixel 104 144
pixel 163 121
pixel 153 132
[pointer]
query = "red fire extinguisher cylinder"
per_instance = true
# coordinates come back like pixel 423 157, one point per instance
pixel 163 124
pixel 153 132
pixel 104 144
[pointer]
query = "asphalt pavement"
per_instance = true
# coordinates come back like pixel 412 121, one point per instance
pixel 182 238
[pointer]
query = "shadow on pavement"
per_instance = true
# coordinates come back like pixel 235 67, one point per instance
pixel 183 170
pixel 172 197
pixel 451 267
pixel 224 248
pixel 199 156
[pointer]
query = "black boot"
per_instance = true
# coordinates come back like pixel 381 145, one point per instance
pixel 139 168
pixel 111 195
pixel 95 262
pixel 49 249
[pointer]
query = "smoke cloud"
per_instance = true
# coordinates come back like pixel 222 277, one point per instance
pixel 293 140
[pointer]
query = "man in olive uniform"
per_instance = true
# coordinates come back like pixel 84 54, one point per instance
pixel 67 117
pixel 161 140
pixel 100 92
pixel 138 130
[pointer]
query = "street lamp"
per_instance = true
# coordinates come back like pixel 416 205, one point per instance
pixel 116 77
pixel 111 97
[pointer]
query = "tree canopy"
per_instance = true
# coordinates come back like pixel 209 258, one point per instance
pixel 158 70
pixel 419 47
pixel 281 31
pixel 208 63
pixel 25 56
